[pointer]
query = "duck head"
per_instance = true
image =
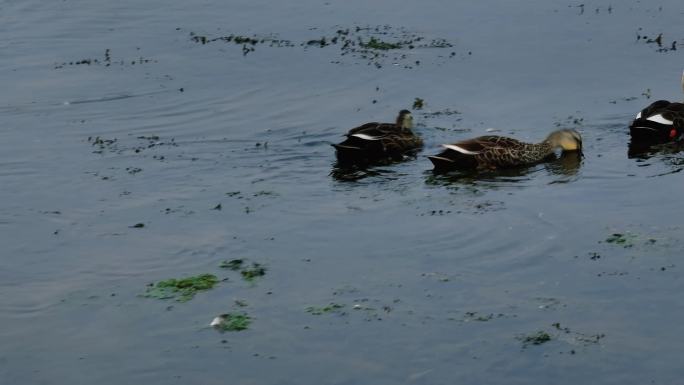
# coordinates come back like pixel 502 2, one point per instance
pixel 568 140
pixel 405 120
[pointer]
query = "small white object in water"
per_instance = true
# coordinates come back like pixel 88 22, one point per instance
pixel 218 320
pixel 492 130
pixel 356 307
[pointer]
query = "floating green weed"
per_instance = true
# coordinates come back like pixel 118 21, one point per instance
pixel 331 308
pixel 625 240
pixel 537 338
pixel 474 316
pixel 264 193
pixel 374 43
pixel 257 270
pixel 232 322
pixel 183 289
pixel 233 264
pixel 248 273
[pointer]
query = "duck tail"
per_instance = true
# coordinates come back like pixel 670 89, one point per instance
pixel 441 163
pixel 347 148
pixel 349 154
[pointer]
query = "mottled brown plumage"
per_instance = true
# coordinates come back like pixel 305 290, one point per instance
pixel 491 152
pixel 377 142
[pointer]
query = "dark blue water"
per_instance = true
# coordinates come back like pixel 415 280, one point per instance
pixel 441 278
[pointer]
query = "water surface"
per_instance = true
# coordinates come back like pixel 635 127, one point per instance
pixel 440 277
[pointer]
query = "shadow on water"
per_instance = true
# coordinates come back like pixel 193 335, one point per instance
pixel 648 150
pixel 668 153
pixel 566 165
pixel 354 171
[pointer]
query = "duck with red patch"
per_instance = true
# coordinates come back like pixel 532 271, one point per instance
pixel 660 122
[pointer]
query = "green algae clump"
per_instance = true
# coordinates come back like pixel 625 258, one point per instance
pixel 250 273
pixel 625 240
pixel 232 322
pixel 183 289
pixel 234 264
pixel 537 338
pixel 331 308
pixel 378 44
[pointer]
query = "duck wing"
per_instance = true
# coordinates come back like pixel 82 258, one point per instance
pixel 466 154
pixel 370 131
pixel 483 144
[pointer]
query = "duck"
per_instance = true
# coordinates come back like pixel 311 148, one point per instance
pixel 495 152
pixel 377 142
pixel 662 121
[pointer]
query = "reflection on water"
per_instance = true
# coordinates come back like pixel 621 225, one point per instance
pixel 350 173
pixel 641 150
pixel 667 153
pixel 567 164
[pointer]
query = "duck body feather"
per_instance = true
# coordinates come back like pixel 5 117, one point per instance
pixel 491 152
pixel 375 142
pixel 662 121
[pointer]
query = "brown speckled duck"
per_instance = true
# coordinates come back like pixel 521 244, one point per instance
pixel 376 142
pixel 492 152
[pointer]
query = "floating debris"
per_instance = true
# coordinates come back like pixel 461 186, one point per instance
pixel 479 317
pixel 374 43
pixel 594 256
pixel 247 43
pixel 445 112
pixel 625 240
pixel 264 193
pixel 250 273
pixel 102 144
pixel 183 289
pixel 231 322
pixel 133 170
pixel 331 308
pixel 537 338
pixel 580 338
pixel 105 61
pixel 371 45
pixel 233 264
pixel 570 121
pixel 662 45
pixel 115 146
